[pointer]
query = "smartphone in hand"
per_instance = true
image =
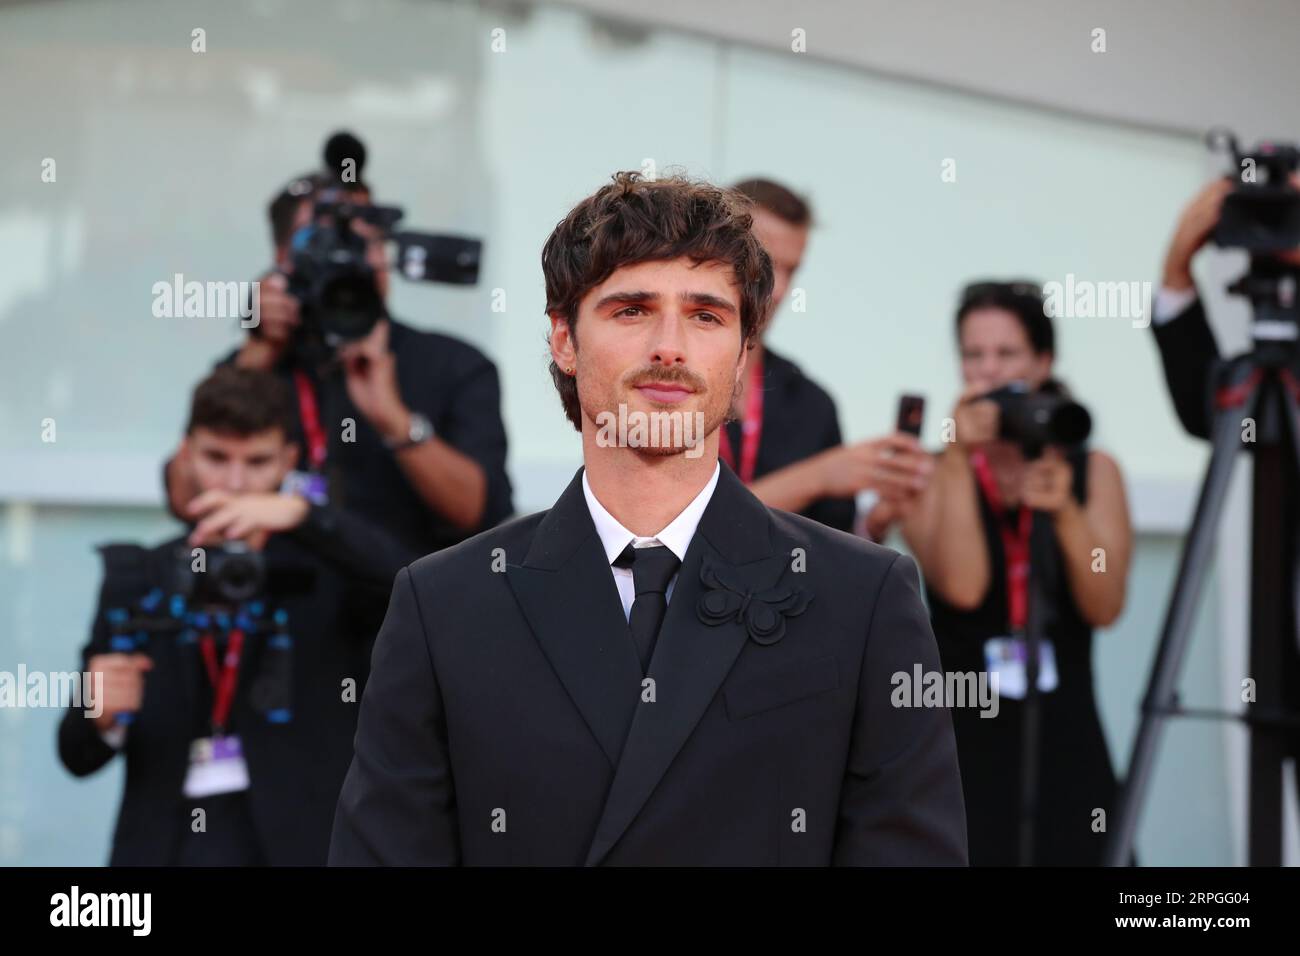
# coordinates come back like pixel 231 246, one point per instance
pixel 911 413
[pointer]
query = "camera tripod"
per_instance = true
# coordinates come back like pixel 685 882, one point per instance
pixel 1260 386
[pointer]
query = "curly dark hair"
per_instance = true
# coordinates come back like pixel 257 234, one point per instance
pixel 242 402
pixel 632 220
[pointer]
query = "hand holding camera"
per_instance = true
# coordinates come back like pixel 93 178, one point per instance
pixel 123 688
pixel 280 319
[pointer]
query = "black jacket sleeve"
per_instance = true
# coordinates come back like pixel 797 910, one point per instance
pixel 1189 353
pixel 81 749
pixel 369 556
pixel 901 802
pixel 472 425
pixel 398 804
pixel 835 513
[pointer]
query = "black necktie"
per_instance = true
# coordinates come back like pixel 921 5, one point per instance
pixel 652 569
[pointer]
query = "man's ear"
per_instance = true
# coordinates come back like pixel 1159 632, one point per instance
pixel 740 367
pixel 564 347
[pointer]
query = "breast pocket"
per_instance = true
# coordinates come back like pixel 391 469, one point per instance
pixel 778 687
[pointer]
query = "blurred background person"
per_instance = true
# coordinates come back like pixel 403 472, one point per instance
pixel 1190 356
pixel 970 532
pixel 426 456
pixel 236 744
pixel 787 445
pixel 1188 349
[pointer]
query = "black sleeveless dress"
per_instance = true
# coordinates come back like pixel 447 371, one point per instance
pixel 1075 774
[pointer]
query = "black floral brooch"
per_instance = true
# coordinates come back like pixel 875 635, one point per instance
pixel 761 611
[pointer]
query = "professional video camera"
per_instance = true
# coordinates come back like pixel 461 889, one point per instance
pixel 1262 213
pixel 331 277
pixel 1036 419
pixel 232 574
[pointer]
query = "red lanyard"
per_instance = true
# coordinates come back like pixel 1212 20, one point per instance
pixel 310 415
pixel 751 428
pixel 223 683
pixel 1014 544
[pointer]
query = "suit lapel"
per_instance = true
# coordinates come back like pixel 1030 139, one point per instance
pixel 567 592
pixel 691 659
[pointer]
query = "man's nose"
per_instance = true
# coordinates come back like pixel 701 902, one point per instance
pixel 236 478
pixel 668 346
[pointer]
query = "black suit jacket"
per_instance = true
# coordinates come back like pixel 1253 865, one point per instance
pixel 1190 356
pixel 505 719
pixel 333 577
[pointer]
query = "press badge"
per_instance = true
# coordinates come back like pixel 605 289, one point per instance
pixel 308 484
pixel 216 766
pixel 1006 658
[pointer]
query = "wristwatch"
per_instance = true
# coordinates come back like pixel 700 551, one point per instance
pixel 421 430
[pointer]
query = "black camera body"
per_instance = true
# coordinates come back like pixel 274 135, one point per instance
pixel 1262 213
pixel 335 283
pixel 1035 419
pixel 231 574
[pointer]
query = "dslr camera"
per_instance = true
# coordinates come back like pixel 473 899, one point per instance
pixel 232 574
pixel 1034 420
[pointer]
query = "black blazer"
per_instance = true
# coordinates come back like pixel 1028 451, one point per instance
pixel 333 577
pixel 1189 355
pixel 505 719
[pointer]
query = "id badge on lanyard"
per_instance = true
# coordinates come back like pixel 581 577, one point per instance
pixel 217 762
pixel 1006 658
pixel 311 483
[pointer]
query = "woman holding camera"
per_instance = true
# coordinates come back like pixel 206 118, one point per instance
pixel 970 531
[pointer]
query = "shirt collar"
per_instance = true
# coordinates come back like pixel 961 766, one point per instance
pixel 676 536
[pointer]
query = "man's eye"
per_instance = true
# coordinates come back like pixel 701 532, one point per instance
pixel 708 317
pixel 630 310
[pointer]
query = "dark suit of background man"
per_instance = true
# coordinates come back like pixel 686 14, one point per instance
pixel 427 461
pixel 660 669
pixel 328 570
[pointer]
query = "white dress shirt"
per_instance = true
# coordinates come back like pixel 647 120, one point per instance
pixel 676 537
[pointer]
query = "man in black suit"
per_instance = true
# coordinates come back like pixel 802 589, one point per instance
pixel 660 669
pixel 286 731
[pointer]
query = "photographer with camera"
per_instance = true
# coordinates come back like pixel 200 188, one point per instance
pixel 1249 402
pixel 1188 350
pixel 233 658
pixel 400 425
pixel 1016 462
